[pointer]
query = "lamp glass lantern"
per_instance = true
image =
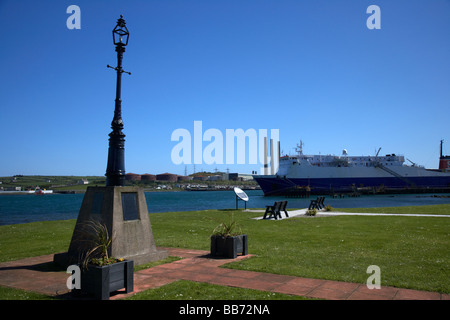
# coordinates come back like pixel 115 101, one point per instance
pixel 120 33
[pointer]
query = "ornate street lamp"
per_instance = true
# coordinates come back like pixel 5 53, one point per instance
pixel 123 210
pixel 115 170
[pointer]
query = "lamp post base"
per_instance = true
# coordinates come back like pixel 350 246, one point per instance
pixel 115 168
pixel 118 180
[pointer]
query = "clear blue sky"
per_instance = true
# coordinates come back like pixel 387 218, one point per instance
pixel 311 69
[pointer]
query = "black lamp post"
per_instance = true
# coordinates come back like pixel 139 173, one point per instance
pixel 121 208
pixel 115 170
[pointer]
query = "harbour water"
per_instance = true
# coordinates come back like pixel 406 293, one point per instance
pixel 15 209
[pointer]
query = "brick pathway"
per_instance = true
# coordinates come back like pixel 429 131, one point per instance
pixel 33 274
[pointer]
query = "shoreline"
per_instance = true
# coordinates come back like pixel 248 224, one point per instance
pixel 28 192
pixel 145 190
pixel 49 192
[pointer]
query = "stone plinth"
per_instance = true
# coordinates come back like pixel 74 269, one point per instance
pixel 124 212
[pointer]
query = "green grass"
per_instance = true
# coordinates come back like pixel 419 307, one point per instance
pixel 18 294
pixel 412 252
pixel 34 239
pixel 190 290
pixel 443 209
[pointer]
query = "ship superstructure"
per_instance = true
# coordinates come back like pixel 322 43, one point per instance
pixel 444 161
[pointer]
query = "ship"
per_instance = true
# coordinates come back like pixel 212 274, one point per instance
pixel 303 175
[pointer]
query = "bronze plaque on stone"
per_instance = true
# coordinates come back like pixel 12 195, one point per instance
pixel 129 206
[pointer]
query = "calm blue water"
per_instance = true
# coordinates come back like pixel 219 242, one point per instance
pixel 16 209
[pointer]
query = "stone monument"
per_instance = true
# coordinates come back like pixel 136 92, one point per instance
pixel 124 212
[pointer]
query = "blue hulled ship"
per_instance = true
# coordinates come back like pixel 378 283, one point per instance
pixel 330 174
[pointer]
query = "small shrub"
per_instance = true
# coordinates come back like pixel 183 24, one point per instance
pixel 229 229
pixel 98 242
pixel 311 212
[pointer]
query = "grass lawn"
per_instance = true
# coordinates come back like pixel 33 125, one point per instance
pixel 412 252
pixel 190 290
pixel 443 209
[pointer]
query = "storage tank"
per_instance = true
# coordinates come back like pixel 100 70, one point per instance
pixel 167 177
pixel 184 178
pixel 133 177
pixel 148 177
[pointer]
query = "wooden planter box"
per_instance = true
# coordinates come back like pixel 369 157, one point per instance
pixel 101 281
pixel 229 247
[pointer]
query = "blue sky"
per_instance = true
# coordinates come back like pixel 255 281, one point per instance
pixel 311 69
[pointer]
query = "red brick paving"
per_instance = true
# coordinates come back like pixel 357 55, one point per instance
pixel 196 265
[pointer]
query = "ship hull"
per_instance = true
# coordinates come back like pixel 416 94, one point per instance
pixel 276 185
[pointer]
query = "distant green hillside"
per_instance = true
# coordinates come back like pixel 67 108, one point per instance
pixel 74 183
pixel 50 182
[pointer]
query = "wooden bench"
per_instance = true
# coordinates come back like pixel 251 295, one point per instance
pixel 317 204
pixel 283 208
pixel 275 210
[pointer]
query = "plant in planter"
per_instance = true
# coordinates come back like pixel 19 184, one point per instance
pixel 102 274
pixel 228 241
pixel 311 212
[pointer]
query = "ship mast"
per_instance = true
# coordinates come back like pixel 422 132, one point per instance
pixel 299 148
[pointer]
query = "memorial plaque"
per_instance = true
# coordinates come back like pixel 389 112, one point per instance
pixel 97 202
pixel 129 206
